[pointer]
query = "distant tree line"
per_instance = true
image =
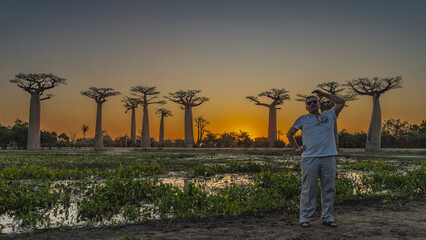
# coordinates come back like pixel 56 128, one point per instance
pixel 395 133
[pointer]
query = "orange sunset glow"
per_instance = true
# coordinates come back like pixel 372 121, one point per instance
pixel 228 50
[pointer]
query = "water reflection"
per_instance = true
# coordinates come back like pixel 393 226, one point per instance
pixel 211 185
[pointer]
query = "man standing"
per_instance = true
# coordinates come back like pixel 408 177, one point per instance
pixel 318 152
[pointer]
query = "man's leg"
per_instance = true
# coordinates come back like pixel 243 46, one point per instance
pixel 328 179
pixel 309 188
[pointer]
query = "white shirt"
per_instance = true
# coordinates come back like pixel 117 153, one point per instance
pixel 318 133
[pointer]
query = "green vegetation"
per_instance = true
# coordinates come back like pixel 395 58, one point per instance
pixel 48 189
pixel 44 173
pixel 372 165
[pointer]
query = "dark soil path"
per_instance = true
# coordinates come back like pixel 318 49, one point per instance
pixel 360 221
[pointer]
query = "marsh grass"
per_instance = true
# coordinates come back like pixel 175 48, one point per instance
pixel 60 189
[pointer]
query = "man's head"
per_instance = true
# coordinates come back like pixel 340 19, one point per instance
pixel 312 104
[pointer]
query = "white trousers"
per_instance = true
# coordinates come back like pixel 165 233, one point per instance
pixel 325 168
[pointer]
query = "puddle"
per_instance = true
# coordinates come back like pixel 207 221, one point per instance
pixel 58 218
pixel 357 178
pixel 212 185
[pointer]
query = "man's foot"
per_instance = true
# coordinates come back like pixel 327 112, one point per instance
pixel 305 224
pixel 330 224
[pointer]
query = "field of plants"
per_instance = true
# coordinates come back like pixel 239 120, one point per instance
pixel 49 189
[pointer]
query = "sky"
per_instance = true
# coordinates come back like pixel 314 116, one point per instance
pixel 227 49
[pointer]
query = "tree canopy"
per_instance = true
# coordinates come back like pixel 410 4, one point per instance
pixel 100 94
pixel 164 112
pixel 37 82
pixel 131 103
pixel 187 98
pixel 333 88
pixel 146 94
pixel 374 86
pixel 278 97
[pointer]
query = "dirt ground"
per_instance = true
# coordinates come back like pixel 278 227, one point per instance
pixel 359 221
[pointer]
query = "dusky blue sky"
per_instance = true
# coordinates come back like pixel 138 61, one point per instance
pixel 228 49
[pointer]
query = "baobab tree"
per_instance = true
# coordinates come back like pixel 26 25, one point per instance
pixel 132 104
pixel 36 85
pixel 84 128
pixel 163 113
pixel 187 100
pixel 333 88
pixel 146 95
pixel 278 97
pixel 201 125
pixel 374 87
pixel 99 95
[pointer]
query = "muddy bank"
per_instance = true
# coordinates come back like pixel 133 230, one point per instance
pixel 360 221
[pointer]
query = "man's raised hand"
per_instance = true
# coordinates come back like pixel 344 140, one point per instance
pixel 319 93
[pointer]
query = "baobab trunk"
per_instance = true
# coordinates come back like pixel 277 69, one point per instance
pixel 99 141
pixel 161 136
pixel 272 126
pixel 189 131
pixel 375 129
pixel 33 140
pixel 133 127
pixel 145 139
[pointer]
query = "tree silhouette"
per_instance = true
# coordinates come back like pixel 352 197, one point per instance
pixel 5 136
pixel 279 134
pixel 36 84
pixel 84 128
pixel 201 125
pixel 99 95
pixel 187 100
pixel 278 97
pixel 374 87
pixel 146 95
pixel 163 113
pixel 244 139
pixel 333 88
pixel 132 104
